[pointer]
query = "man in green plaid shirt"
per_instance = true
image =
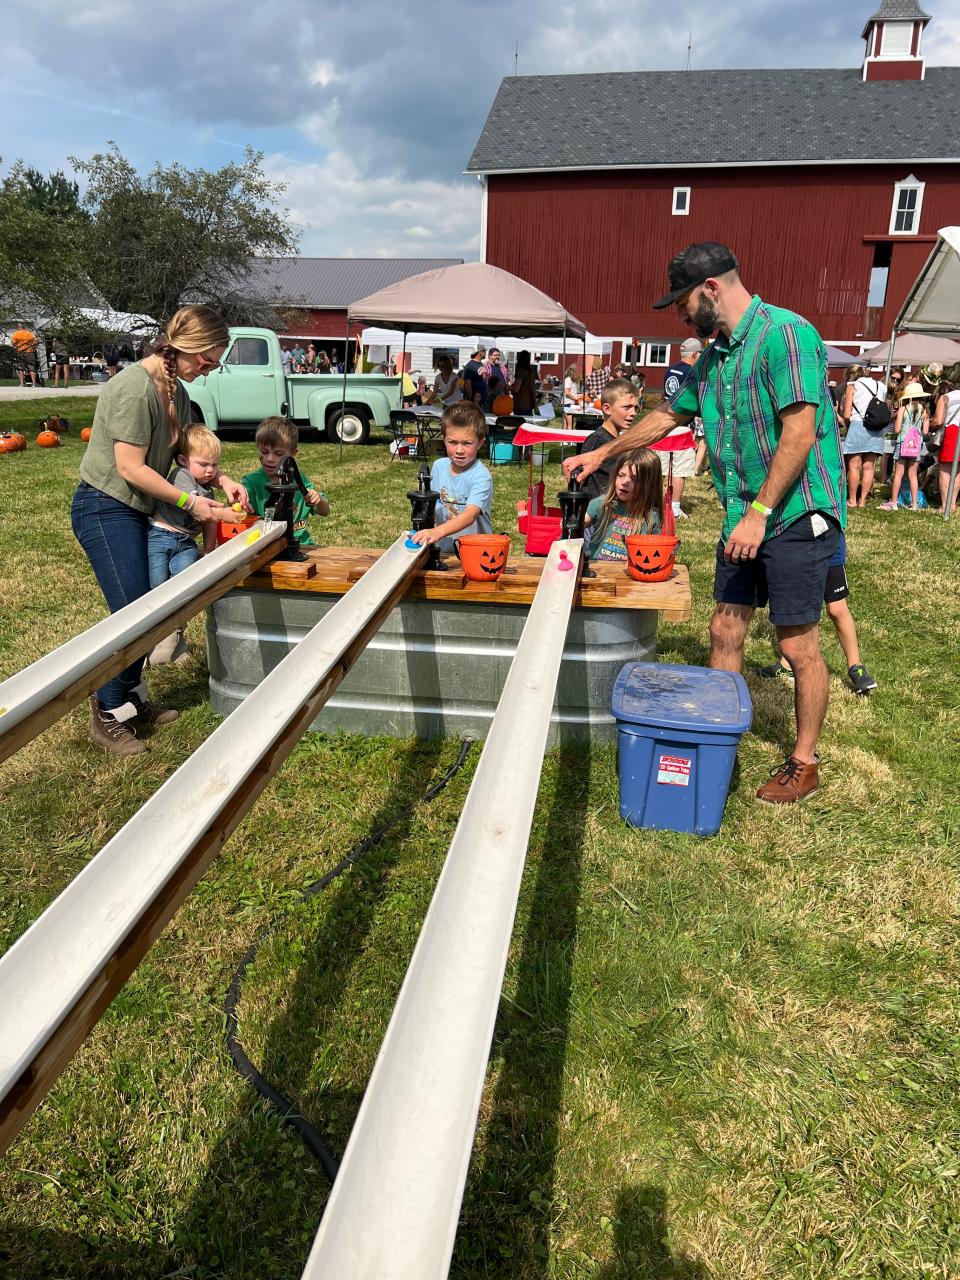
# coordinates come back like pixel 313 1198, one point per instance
pixel 774 448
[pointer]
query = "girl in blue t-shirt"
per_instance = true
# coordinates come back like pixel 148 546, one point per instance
pixel 632 504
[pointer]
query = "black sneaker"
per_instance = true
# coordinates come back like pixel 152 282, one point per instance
pixel 774 670
pixel 861 680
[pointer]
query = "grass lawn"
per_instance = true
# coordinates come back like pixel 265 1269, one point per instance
pixel 733 1057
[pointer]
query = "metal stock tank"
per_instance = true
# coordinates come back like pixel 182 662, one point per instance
pixel 437 666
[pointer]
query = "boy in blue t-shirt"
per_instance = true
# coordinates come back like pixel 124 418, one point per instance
pixel 463 482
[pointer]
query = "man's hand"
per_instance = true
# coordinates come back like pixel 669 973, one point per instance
pixel 744 542
pixel 582 465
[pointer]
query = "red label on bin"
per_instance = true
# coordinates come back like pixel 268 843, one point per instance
pixel 674 770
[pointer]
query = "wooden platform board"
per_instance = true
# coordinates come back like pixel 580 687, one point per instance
pixel 334 570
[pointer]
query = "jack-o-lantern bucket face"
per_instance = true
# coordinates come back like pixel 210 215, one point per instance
pixel 483 555
pixel 650 556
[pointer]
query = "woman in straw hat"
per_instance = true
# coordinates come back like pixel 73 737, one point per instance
pixel 912 424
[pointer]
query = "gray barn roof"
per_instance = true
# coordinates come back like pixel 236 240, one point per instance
pixel 642 119
pixel 329 283
pixel 899 11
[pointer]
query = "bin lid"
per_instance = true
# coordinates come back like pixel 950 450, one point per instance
pixel 666 695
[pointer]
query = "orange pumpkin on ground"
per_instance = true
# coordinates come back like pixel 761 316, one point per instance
pixel 8 445
pixel 650 556
pixel 48 440
pixel 85 433
pixel 20 439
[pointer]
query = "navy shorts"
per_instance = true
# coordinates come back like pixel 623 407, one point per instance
pixel 789 573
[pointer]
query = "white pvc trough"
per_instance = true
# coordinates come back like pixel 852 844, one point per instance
pixel 392 1214
pixel 58 977
pixel 50 686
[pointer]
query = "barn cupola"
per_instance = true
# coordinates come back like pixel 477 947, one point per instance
pixel 894 36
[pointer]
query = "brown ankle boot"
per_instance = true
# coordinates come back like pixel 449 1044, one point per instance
pixel 119 737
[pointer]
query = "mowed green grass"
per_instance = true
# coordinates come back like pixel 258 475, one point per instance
pixel 733 1057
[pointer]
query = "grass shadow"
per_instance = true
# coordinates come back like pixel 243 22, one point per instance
pixel 641 1236
pixel 507 1211
pixel 260 1186
pixel 41 1254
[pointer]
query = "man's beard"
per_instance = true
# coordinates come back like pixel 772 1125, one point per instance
pixel 704 319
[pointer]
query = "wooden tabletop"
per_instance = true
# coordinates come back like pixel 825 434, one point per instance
pixel 334 570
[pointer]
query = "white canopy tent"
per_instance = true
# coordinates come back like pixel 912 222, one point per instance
pixel 113 322
pixel 374 337
pixel 933 307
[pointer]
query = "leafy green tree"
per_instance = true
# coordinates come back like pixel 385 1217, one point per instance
pixel 41 256
pixel 180 234
pixel 55 195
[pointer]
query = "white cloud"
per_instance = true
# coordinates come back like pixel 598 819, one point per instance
pixel 342 211
pixel 322 74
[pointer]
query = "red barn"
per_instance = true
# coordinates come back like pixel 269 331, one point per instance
pixel 828 184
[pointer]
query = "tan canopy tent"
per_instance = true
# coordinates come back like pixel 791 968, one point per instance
pixel 470 298
pixel 933 307
pixel 913 348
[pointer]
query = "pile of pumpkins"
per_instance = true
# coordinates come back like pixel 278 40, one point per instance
pixel 51 429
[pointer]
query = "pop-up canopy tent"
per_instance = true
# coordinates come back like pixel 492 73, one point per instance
pixel 933 307
pixel 913 349
pixel 470 298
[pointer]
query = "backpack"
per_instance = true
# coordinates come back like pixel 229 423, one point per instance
pixel 877 414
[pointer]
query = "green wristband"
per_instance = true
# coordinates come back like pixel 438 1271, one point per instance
pixel 182 500
pixel 766 512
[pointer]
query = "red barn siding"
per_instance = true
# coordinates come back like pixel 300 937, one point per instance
pixel 600 241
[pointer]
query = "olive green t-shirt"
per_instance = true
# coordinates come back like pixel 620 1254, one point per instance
pixel 130 410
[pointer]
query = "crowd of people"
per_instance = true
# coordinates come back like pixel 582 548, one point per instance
pixel 297 358
pixel 902 432
pixel 486 381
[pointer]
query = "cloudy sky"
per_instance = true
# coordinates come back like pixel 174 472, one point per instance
pixel 368 112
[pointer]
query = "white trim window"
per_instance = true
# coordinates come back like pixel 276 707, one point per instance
pixel 548 357
pixel 897 40
pixel 658 355
pixel 907 203
pixel 681 201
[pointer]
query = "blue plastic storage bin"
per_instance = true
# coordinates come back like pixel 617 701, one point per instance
pixel 678 729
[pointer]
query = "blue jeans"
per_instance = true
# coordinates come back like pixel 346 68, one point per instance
pixel 169 554
pixel 114 538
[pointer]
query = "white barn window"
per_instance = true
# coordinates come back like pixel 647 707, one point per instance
pixel 907 203
pixel 681 200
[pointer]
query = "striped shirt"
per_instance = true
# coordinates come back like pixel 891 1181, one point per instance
pixel 739 386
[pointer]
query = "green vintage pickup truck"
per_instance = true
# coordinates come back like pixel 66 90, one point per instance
pixel 251 385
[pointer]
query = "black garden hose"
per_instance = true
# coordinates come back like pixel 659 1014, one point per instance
pixel 288 1111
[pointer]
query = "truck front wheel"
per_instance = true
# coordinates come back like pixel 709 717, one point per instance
pixel 350 426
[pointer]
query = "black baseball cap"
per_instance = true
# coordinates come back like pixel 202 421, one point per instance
pixel 693 265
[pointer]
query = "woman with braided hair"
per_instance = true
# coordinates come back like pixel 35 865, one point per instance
pixel 135 436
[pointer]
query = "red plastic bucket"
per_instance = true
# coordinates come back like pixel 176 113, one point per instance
pixel 226 531
pixel 650 556
pixel 483 555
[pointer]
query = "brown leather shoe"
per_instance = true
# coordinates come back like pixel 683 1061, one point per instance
pixel 790 782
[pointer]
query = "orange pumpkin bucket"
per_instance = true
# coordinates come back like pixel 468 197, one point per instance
pixel 226 531
pixel 484 555
pixel 650 556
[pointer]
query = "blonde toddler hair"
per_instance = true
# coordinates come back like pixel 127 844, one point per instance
pixel 198 441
